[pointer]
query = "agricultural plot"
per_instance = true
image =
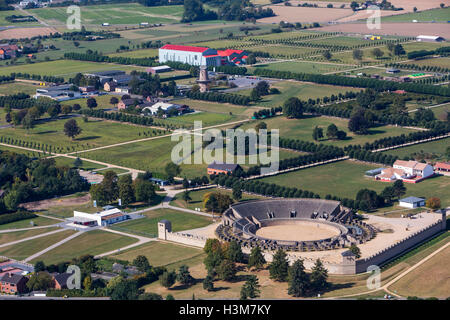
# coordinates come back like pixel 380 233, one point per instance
pixel 148 226
pixel 160 253
pixel 64 68
pixel 441 112
pixel 346 178
pixel 4 22
pixel 94 133
pixel 433 15
pixel 220 108
pixel 301 90
pixel 285 51
pixel 92 242
pixel 114 14
pixel 443 62
pixel 302 129
pixel 25 249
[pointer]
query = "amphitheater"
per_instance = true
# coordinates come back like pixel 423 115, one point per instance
pixel 313 229
pixel 293 225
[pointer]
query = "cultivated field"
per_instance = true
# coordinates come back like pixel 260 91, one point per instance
pixel 305 15
pixel 20 33
pixel 114 14
pixel 434 15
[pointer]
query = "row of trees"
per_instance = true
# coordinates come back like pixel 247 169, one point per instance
pixel 219 97
pixel 379 85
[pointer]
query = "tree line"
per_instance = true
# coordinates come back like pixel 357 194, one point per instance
pixel 219 97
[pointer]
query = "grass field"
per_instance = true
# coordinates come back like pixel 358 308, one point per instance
pixel 431 279
pixel 4 22
pixel 301 90
pixel 129 13
pixel 303 67
pixel 438 148
pixel 302 129
pixel 38 222
pixel 197 198
pixel 92 242
pixel 148 226
pixel 25 249
pixel 86 165
pixel 64 68
pixel 443 62
pixel 436 15
pixel 19 235
pixel 20 151
pixel 94 133
pixel 17 87
pixel 346 178
pixel 160 253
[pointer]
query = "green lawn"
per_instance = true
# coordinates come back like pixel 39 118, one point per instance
pixel 148 226
pixel 197 198
pixel 302 129
pixel 303 67
pixel 346 178
pixel 301 90
pixel 19 235
pixel 438 148
pixel 17 87
pixel 92 242
pixel 160 253
pixel 38 222
pixel 129 13
pixel 443 62
pixel 86 165
pixel 94 133
pixel 25 249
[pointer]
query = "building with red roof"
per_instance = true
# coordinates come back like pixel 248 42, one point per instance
pixel 201 56
pixel 442 168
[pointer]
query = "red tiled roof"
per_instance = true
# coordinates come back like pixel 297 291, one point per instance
pixel 184 48
pixel 228 52
pixel 442 165
pixel 211 55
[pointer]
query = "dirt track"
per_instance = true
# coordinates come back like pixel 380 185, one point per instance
pixel 61 202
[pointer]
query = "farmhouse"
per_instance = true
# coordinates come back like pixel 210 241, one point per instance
pixel 8 51
pixel 122 89
pixel 103 218
pixel 123 104
pixel 13 283
pixel 411 202
pixel 442 168
pixel 165 107
pixel 105 76
pixel 60 280
pixel 201 56
pixel 430 38
pixel 408 171
pixel 109 86
pixel 218 168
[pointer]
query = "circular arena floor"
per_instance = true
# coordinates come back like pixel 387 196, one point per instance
pixel 300 231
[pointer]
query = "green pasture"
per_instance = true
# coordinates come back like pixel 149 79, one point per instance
pixel 346 178
pixel 19 235
pixel 303 67
pixel 437 148
pixel 436 15
pixel 148 226
pixel 37 222
pixel 93 242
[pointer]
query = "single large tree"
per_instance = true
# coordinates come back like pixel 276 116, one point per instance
pixel 234 252
pixel 319 276
pixel 71 128
pixel 251 288
pixel 226 270
pixel 126 192
pixel 256 258
pixel 278 269
pixel 184 276
pixel 293 108
pixel 91 103
pixel 141 262
pixel 167 279
pixel 298 280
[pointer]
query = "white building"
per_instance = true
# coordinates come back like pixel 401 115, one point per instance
pixel 412 171
pixel 430 38
pixel 411 202
pixel 58 93
pixel 102 218
pixel 164 106
pixel 196 56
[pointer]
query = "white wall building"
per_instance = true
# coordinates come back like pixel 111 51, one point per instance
pixel 163 105
pixel 411 202
pixel 102 218
pixel 196 56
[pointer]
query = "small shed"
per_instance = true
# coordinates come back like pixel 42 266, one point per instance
pixel 411 202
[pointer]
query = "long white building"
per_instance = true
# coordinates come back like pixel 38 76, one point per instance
pixel 196 56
